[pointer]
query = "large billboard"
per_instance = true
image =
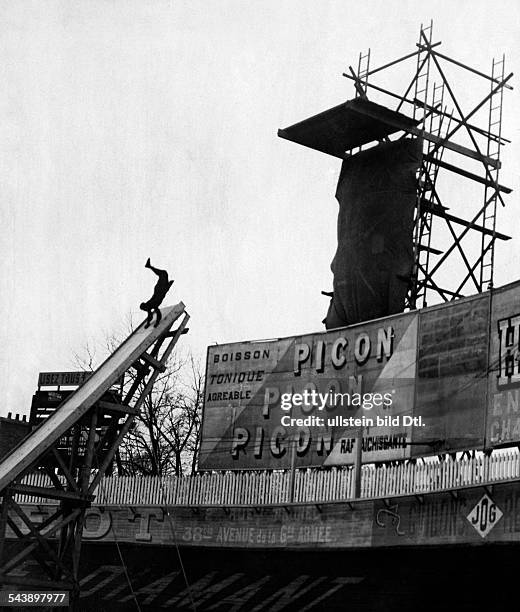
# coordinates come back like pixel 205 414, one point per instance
pixel 305 400
pixel 442 379
pixel 451 381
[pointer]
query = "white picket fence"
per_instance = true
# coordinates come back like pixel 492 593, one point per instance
pixel 309 485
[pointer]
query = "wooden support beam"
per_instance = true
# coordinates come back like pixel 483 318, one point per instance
pixel 153 362
pixel 111 452
pixel 141 373
pixel 357 84
pixel 423 247
pixel 54 478
pixel 427 285
pixel 64 468
pixel 89 455
pixel 15 561
pixel 46 523
pixel 405 57
pixel 482 74
pixel 414 80
pixel 77 531
pixel 428 278
pixel 441 142
pixel 450 250
pixel 440 212
pixel 465 173
pixel 41 540
pixel 475 265
pixel 33 547
pixel 466 118
pixel 381 89
pixel 4 515
pixel 479 130
pixel 430 109
pixel 456 241
pixel 112 407
pixel 30 548
pixel 172 333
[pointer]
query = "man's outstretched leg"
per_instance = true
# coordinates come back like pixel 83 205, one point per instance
pixel 148 319
pixel 159 317
pixel 162 274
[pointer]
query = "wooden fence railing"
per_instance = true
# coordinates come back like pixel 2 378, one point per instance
pixel 309 485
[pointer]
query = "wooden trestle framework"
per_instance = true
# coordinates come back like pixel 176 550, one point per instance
pixel 76 472
pixel 429 94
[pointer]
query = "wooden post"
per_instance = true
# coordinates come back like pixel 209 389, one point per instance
pixel 358 464
pixel 293 462
pixel 3 522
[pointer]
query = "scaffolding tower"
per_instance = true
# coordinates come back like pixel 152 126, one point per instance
pixel 453 238
pixel 460 260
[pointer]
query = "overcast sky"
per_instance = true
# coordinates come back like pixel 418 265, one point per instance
pixel 132 129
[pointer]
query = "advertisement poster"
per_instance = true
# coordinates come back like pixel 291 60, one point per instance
pixel 503 415
pixel 452 376
pixel 357 381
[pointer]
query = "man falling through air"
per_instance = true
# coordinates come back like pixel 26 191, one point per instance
pixel 161 289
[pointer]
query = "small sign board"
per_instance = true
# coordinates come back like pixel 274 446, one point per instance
pixel 484 515
pixel 62 379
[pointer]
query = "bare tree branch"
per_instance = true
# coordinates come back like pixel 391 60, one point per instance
pixel 164 438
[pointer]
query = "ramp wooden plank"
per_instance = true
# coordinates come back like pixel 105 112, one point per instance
pixel 79 402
